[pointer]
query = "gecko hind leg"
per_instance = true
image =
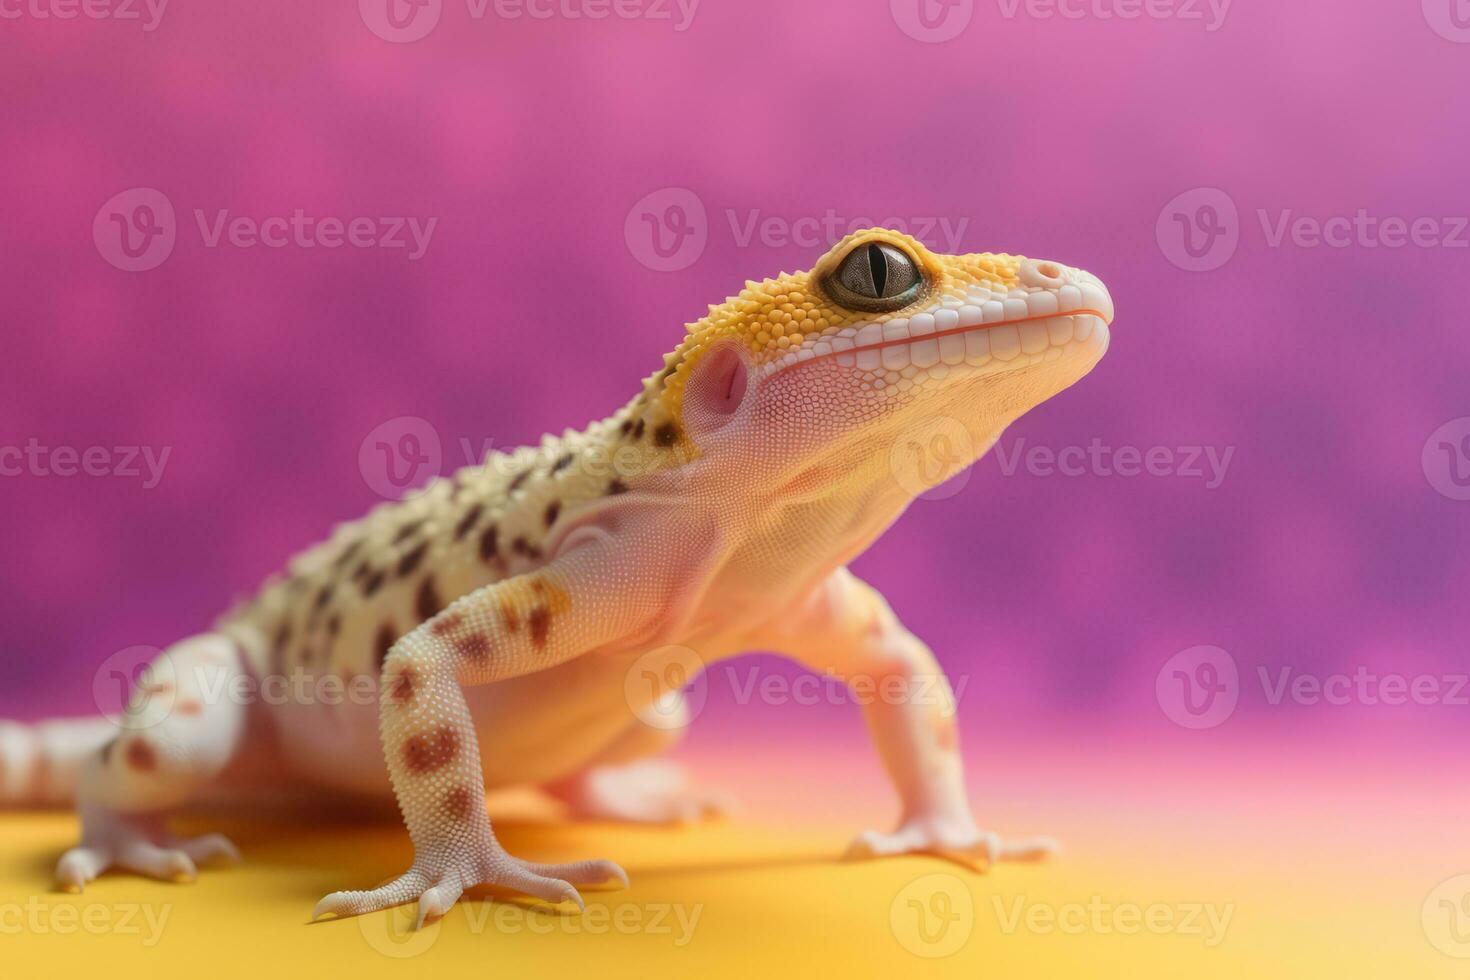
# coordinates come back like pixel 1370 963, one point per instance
pixel 624 783
pixel 181 729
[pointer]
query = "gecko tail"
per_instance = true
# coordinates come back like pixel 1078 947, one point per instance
pixel 41 762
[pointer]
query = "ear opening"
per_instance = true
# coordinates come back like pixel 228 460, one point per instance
pixel 717 386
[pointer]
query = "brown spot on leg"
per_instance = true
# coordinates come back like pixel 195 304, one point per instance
pixel 140 756
pixel 665 435
pixel 431 751
pixel 509 616
pixel 540 622
pixel 401 687
pixel 427 603
pixel 616 487
pixel 459 803
pixel 447 625
pixel 190 709
pixel 475 647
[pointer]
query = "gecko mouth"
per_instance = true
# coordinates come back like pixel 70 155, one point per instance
pixel 977 337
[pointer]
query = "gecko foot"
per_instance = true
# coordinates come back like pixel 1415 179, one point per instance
pixel 956 840
pixel 139 844
pixel 647 791
pixel 436 891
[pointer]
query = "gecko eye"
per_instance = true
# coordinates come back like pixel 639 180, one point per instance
pixel 876 277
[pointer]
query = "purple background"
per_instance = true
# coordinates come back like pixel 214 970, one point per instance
pixel 1326 369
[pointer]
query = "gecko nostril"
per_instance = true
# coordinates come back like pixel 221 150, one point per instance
pixel 1048 275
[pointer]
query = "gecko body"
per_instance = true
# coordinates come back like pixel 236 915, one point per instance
pixel 498 614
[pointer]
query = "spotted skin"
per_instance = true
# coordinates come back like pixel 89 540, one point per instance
pixel 714 512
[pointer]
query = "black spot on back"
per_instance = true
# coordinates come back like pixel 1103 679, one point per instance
pixel 561 463
pixel 373 582
pixel 616 487
pixel 638 430
pixel 427 603
pixel 490 543
pixel 553 511
pixel 468 522
pixel 519 481
pixel 407 531
pixel 383 642
pixel 411 561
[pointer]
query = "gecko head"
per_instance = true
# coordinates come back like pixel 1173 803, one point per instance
pixel 881 343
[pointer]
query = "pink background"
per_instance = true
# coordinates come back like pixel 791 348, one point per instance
pixel 1326 369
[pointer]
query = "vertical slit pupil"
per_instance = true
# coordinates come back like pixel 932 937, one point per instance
pixel 878 266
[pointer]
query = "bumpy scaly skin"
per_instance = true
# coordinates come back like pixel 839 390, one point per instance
pixel 501 609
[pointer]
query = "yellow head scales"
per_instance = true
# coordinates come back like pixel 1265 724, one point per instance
pixel 778 315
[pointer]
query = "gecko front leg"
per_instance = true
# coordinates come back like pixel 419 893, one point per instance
pixel 847 629
pixel 523 624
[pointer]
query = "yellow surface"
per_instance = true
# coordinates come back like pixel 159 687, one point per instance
pixel 755 903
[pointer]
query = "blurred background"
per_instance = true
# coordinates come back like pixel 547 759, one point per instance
pixel 238 240
pixel 1222 645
